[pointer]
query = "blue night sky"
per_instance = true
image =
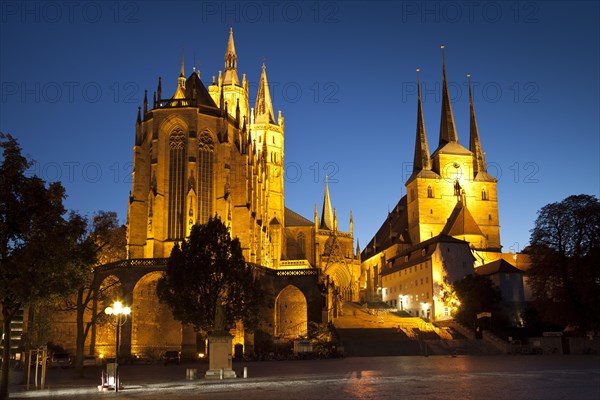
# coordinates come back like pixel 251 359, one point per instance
pixel 342 73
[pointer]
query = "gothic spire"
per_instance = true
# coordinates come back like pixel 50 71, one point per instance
pixel 474 141
pixel 180 80
pixel 145 102
pixel 230 77
pixel 181 70
pixel 159 89
pixel 263 110
pixel 422 158
pixel 447 127
pixel 326 214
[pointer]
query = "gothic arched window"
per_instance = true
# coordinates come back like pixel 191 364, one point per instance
pixel 177 159
pixel 484 195
pixel 301 249
pixel 206 150
pixel 429 191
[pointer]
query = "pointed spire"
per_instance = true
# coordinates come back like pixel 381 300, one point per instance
pixel 230 77
pixel 316 217
pixel 351 223
pixel 422 160
pixel 181 70
pixel 357 248
pixel 447 126
pixel 159 89
pixel 326 214
pixel 145 102
pixel 263 110
pixel 181 78
pixel 474 141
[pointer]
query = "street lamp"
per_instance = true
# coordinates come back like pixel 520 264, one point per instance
pixel 118 311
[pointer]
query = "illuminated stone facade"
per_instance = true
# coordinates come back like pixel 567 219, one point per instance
pixel 445 226
pixel 204 152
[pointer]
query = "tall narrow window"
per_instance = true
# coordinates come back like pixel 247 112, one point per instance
pixel 206 150
pixel 429 192
pixel 484 195
pixel 301 249
pixel 177 159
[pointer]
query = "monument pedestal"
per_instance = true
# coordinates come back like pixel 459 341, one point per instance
pixel 219 356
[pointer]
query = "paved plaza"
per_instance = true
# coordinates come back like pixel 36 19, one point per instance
pixel 431 378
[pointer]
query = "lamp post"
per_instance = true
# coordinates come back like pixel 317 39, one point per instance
pixel 118 311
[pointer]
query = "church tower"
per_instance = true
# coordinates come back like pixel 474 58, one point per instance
pixel 268 134
pixel 197 154
pixel 450 191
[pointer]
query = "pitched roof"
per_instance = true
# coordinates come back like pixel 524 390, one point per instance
pixel 415 256
pixel 497 266
pixel 461 222
pixel 393 230
pixel 195 87
pixel 294 219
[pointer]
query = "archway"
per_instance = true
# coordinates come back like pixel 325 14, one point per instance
pixel 110 290
pixel 154 330
pixel 290 313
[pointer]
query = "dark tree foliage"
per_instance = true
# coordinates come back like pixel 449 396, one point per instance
pixel 477 294
pixel 107 242
pixel 565 256
pixel 209 269
pixel 41 246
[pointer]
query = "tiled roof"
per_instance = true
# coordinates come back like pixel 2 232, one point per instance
pixel 294 219
pixel 497 266
pixel 461 222
pixel 393 230
pixel 194 86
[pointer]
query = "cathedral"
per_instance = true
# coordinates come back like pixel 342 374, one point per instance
pixel 203 152
pixel 444 228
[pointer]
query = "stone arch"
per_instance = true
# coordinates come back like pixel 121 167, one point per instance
pixel 154 329
pixel 109 290
pixel 291 313
pixel 173 122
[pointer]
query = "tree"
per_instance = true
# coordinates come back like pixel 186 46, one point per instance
pixel 40 244
pixel 107 242
pixel 476 294
pixel 565 255
pixel 206 273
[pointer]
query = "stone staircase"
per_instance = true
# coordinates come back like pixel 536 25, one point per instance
pixel 365 331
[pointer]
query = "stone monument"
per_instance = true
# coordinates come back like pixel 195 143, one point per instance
pixel 219 349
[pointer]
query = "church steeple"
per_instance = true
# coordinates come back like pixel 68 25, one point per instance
pixel 263 110
pixel 181 78
pixel 327 214
pixel 422 160
pixel 474 141
pixel 447 126
pixel 230 77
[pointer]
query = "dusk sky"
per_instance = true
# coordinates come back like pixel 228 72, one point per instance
pixel 343 74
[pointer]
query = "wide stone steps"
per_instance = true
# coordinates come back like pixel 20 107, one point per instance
pixel 378 332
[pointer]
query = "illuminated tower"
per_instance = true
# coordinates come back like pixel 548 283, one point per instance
pixel 269 136
pixel 450 191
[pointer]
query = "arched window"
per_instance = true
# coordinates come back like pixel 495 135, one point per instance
pixel 206 150
pixel 177 159
pixel 429 191
pixel 484 194
pixel 301 248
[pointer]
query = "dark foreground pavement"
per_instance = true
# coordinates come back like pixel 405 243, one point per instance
pixel 431 378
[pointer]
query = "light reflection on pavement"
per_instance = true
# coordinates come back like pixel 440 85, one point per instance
pixel 431 378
